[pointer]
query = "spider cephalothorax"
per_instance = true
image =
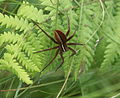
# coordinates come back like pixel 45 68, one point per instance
pixel 61 40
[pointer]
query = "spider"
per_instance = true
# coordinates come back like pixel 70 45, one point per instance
pixel 61 40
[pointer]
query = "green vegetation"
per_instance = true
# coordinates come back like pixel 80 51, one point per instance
pixel 92 73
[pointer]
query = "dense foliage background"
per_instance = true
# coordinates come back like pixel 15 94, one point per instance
pixel 94 72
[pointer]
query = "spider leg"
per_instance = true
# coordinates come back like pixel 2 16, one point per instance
pixel 46 49
pixel 71 35
pixel 61 62
pixel 73 51
pixel 67 33
pixel 75 44
pixel 50 61
pixel 44 32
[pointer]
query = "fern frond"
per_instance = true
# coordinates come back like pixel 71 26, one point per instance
pixel 10 64
pixel 34 41
pixel 15 38
pixel 15 22
pixel 49 6
pixel 110 54
pixel 10 37
pixel 87 53
pixel 21 58
pixel 113 38
pixel 21 51
pixel 29 11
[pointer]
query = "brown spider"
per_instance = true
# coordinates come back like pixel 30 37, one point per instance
pixel 61 40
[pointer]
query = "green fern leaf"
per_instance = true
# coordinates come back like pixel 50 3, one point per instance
pixel 22 53
pixel 29 11
pixel 10 38
pixel 11 65
pixel 21 57
pixel 110 55
pixel 14 22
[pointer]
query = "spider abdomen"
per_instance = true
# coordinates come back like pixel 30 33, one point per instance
pixel 60 37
